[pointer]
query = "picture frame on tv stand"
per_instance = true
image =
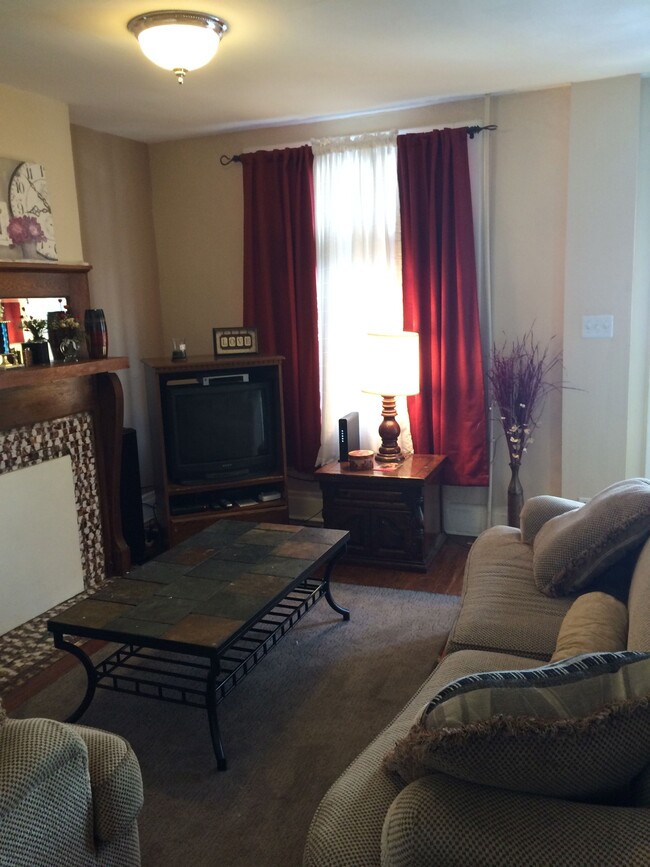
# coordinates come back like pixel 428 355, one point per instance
pixel 234 341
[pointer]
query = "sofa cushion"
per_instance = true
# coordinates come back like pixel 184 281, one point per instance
pixel 572 549
pixel 577 729
pixel 595 622
pixel 498 579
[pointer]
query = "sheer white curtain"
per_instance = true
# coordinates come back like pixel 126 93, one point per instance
pixel 359 282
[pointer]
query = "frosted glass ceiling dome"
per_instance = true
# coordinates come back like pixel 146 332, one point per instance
pixel 178 40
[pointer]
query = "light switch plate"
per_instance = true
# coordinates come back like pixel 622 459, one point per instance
pixel 598 326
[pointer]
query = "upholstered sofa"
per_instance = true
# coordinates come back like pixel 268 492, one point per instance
pixel 69 796
pixel 504 757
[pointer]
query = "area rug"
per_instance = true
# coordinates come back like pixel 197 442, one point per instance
pixel 289 729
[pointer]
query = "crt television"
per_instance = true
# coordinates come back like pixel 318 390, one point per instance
pixel 220 427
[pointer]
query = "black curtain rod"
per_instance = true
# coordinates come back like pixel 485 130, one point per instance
pixel 474 130
pixel 471 132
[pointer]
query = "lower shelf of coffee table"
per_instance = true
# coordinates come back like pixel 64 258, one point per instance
pixel 181 677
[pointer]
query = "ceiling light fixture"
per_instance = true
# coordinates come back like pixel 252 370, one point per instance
pixel 178 40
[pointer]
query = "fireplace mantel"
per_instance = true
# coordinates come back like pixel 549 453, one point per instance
pixel 42 374
pixel 43 393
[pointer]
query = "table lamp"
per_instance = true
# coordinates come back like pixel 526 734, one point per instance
pixel 392 364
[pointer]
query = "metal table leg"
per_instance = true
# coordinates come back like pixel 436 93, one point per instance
pixel 91 674
pixel 211 706
pixel 344 612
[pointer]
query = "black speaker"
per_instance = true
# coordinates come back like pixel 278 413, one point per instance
pixel 131 496
pixel 348 434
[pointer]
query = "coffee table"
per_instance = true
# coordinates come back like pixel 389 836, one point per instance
pixel 196 620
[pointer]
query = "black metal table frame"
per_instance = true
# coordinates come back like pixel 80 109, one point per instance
pixel 161 669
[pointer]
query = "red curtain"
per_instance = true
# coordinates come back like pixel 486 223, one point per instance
pixel 440 301
pixel 280 285
pixel 13 318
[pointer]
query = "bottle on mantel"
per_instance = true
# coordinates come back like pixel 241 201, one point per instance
pixel 96 333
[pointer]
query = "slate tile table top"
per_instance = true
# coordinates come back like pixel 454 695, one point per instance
pixel 229 592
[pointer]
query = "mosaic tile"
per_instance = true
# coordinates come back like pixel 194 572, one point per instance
pixel 161 609
pixel 189 588
pixel 162 573
pixel 43 441
pixel 304 550
pixel 234 606
pixel 199 629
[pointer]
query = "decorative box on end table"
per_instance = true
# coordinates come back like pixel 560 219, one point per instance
pixel 394 515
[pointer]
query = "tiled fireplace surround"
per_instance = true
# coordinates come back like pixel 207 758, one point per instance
pixel 28 648
pixel 57 410
pixel 26 446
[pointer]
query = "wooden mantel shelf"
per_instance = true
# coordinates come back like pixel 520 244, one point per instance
pixel 42 374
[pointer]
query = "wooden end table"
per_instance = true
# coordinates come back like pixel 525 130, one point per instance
pixel 197 619
pixel 394 515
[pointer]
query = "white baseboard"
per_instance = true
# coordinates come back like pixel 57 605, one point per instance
pixel 305 505
pixel 463 519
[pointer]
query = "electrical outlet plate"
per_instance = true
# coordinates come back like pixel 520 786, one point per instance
pixel 598 326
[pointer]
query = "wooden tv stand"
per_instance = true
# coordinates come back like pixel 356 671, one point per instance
pixel 184 510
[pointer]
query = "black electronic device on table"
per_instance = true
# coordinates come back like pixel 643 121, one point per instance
pixel 348 434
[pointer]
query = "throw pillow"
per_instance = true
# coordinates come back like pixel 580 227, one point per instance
pixel 596 622
pixel 616 579
pixel 577 729
pixel 3 714
pixel 572 549
pixel 538 510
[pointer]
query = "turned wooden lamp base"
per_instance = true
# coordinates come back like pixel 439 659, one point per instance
pixel 389 430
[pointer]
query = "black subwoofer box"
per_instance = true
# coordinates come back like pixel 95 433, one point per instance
pixel 131 496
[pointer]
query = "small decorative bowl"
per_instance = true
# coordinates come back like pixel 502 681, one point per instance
pixel 361 459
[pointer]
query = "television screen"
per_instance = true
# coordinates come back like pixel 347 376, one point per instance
pixel 219 431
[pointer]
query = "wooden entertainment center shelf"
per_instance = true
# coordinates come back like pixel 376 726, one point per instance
pixel 185 509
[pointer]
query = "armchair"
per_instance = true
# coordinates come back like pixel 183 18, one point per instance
pixel 69 795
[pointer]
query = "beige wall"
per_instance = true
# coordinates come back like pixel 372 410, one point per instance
pixel 528 182
pixel 114 192
pixel 600 277
pixel 37 129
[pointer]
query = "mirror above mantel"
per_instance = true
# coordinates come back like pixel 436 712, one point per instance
pixel 12 310
pixel 39 289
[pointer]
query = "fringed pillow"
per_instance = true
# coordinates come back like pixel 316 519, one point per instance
pixel 578 729
pixel 571 550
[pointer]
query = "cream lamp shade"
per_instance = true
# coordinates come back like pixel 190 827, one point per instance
pixel 392 363
pixel 178 40
pixel 392 367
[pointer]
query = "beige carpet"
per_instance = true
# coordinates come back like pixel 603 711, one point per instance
pixel 289 729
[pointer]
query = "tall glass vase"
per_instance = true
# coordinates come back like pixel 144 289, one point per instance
pixel 515 496
pixel 96 333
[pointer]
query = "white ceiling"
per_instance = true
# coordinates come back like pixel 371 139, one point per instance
pixel 285 61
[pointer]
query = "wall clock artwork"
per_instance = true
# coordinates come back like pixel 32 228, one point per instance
pixel 26 224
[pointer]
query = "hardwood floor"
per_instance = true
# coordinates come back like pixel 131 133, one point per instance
pixel 445 575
